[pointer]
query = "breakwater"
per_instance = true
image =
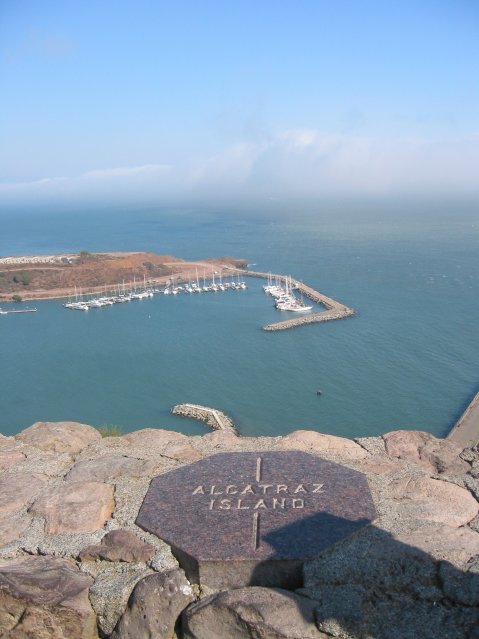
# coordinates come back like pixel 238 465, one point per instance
pixel 334 310
pixel 213 417
pixel 466 430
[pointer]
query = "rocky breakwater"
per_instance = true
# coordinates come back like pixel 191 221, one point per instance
pixel 73 563
pixel 334 309
pixel 215 418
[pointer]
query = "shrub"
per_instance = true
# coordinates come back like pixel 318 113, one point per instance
pixel 109 430
pixel 17 298
pixel 23 278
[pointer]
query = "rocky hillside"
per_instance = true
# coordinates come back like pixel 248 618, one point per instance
pixel 74 565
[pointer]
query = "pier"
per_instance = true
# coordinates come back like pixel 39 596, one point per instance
pixel 213 417
pixel 334 309
pixel 19 310
pixel 466 430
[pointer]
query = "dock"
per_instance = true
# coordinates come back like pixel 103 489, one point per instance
pixel 216 419
pixel 20 310
pixel 334 309
pixel 466 430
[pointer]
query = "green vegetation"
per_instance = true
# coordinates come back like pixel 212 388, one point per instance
pixel 109 430
pixel 23 278
pixel 86 256
pixel 149 266
pixel 17 298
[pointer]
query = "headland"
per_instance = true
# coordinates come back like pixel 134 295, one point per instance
pixel 38 277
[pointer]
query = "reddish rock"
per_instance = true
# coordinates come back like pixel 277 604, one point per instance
pixel 17 489
pixel 12 527
pixel 9 458
pixel 59 437
pixel 75 507
pixel 45 598
pixel 182 452
pixel 223 440
pixel 425 499
pixel 153 437
pixel 312 442
pixel 119 545
pixel 379 466
pixel 444 543
pixel 154 607
pixel 109 468
pixel 435 455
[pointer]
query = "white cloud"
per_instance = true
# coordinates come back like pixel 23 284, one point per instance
pixel 295 163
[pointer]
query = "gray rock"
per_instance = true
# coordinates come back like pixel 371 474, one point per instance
pixel 374 445
pixel 259 613
pixel 154 606
pixel 459 586
pixel 473 484
pixel 42 597
pixel 119 545
pixel 376 586
pixel 396 617
pixel 111 590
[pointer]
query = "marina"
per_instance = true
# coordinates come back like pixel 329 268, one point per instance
pixel 123 293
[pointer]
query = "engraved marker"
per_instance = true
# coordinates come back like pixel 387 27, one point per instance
pixel 258 469
pixel 256 522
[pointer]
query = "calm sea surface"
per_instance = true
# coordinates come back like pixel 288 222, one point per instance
pixel 410 359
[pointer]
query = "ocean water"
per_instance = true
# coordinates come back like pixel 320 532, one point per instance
pixel 409 359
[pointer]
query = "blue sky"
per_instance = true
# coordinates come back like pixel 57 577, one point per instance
pixel 189 100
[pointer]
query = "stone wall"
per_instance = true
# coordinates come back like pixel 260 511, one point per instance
pixel 73 564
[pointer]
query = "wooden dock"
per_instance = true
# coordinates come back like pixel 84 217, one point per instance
pixel 466 430
pixel 334 309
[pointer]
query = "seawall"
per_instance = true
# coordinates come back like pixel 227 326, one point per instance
pixel 466 430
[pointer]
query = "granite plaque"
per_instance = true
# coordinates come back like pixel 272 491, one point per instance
pixel 237 519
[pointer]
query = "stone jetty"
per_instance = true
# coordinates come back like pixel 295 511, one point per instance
pixel 74 564
pixel 213 417
pixel 334 309
pixel 466 430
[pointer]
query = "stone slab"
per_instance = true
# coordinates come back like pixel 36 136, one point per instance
pixel 237 519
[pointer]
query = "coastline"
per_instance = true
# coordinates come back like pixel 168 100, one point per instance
pixel 99 270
